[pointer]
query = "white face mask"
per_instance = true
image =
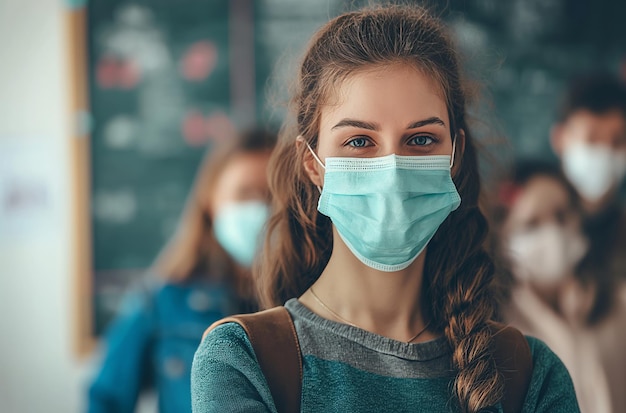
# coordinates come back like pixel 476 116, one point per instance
pixel 593 169
pixel 387 209
pixel 546 254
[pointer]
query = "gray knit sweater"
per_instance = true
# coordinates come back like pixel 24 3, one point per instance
pixel 347 369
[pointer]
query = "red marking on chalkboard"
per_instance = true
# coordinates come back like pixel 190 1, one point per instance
pixel 106 72
pixel 194 131
pixel 128 74
pixel 116 73
pixel 197 129
pixel 219 127
pixel 199 61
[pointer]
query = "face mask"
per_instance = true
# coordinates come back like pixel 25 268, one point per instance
pixel 593 169
pixel 546 254
pixel 387 209
pixel 238 228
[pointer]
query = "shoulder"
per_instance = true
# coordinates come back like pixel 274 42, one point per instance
pixel 226 344
pixel 546 362
pixel 225 374
pixel 230 334
pixel 551 388
pixel 541 352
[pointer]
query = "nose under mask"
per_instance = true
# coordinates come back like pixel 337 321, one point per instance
pixel 387 209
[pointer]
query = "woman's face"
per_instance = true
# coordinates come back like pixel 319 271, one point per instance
pixel 542 234
pixel 393 110
pixel 243 179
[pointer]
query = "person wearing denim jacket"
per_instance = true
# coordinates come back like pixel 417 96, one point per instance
pixel 202 275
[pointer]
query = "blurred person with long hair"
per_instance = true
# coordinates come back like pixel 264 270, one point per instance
pixel 375 246
pixel 538 218
pixel 202 275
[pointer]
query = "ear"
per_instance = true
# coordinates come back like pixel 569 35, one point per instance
pixel 458 151
pixel 556 138
pixel 311 166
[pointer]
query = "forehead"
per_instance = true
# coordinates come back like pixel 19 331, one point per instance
pixel 611 122
pixel 613 116
pixel 541 197
pixel 244 169
pixel 379 91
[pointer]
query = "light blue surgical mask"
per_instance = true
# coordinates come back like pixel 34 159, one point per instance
pixel 239 229
pixel 387 209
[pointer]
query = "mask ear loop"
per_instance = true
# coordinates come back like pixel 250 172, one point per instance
pixel 301 139
pixel 453 152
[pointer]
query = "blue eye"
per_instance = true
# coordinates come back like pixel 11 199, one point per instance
pixel 421 140
pixel 359 142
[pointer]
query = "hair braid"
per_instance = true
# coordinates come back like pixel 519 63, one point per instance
pixel 462 297
pixel 478 383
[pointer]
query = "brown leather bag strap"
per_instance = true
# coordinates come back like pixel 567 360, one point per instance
pixel 275 342
pixel 514 359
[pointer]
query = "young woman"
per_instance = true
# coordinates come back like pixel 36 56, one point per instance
pixel 202 275
pixel 555 297
pixel 376 240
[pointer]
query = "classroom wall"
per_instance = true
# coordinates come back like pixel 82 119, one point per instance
pixel 38 371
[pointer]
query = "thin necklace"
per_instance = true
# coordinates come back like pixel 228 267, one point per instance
pixel 419 333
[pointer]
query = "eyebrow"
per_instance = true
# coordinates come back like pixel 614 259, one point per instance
pixel 434 120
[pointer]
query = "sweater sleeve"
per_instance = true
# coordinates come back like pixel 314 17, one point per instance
pixel 225 375
pixel 551 389
pixel 125 366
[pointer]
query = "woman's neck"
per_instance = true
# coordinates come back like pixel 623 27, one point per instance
pixel 384 303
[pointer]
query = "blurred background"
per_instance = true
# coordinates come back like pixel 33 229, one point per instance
pixel 108 106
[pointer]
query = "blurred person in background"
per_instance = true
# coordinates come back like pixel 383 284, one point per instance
pixel 590 140
pixel 201 276
pixel 539 227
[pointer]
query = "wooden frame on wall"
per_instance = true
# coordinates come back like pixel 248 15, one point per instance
pixel 82 268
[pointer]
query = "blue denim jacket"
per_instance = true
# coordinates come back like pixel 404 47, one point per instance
pixel 152 343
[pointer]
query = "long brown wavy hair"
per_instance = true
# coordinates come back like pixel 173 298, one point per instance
pixel 457 296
